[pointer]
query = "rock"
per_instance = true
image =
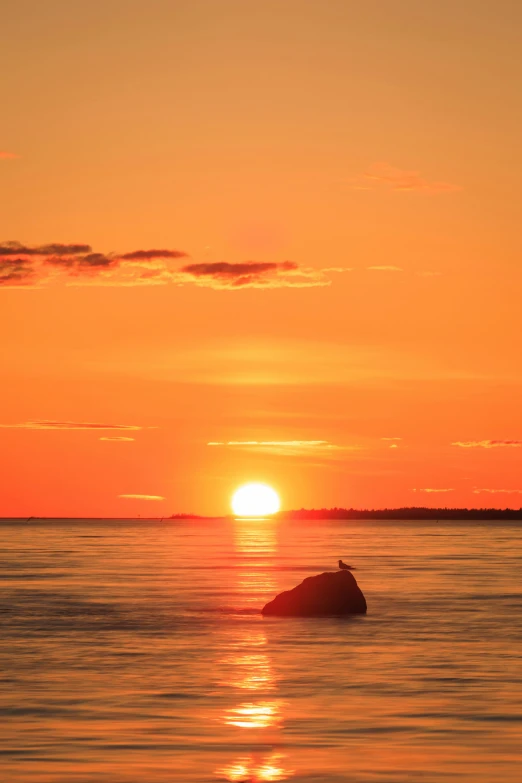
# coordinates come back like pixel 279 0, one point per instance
pixel 331 593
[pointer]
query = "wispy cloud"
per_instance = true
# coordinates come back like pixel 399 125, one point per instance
pixel 45 424
pixel 498 491
pixel 79 265
pixel 142 497
pixel 117 438
pixel 435 489
pixel 4 155
pixel 487 444
pixel 392 442
pixel 287 447
pixel 385 268
pixel 313 444
pixel 394 178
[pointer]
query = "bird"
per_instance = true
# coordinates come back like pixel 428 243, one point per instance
pixel 345 567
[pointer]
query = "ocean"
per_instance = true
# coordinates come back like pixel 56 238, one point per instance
pixel 135 652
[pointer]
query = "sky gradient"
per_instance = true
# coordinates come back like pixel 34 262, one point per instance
pixel 265 241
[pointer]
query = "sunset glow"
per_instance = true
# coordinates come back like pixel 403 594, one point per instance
pixel 260 391
pixel 306 269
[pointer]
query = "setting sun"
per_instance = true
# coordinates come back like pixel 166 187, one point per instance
pixel 255 500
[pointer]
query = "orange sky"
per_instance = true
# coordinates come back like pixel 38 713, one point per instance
pixel 328 194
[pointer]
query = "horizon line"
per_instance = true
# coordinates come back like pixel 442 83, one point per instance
pixel 302 513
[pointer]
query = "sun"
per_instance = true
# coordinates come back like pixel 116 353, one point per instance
pixel 255 500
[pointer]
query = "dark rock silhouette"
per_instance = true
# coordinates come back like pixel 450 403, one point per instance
pixel 331 593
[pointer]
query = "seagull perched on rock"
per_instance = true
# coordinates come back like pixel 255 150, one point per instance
pixel 345 567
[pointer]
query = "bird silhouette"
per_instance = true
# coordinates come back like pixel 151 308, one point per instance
pixel 345 567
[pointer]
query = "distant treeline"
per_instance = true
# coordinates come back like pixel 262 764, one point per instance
pixel 415 512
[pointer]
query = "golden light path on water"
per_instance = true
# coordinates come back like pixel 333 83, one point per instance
pixel 248 666
pixel 251 671
pixel 252 715
pixel 248 769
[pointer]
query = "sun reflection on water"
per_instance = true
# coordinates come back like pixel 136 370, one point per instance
pixel 247 667
pixel 256 547
pixel 252 715
pixel 255 536
pixel 252 672
pixel 247 769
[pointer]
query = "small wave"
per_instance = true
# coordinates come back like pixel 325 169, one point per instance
pixel 230 610
pixel 89 536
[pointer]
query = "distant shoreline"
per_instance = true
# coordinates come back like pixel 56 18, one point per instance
pixel 414 513
pixel 410 513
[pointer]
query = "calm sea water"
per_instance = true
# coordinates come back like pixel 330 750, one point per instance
pixel 135 653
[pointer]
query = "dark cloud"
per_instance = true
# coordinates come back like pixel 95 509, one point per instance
pixel 58 249
pixel 74 259
pixel 83 266
pixel 147 255
pixel 15 271
pixel 20 264
pixel 97 261
pixel 15 249
pixel 63 250
pixel 86 263
pixel 70 254
pixel 66 262
pixel 223 269
pixel 247 274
